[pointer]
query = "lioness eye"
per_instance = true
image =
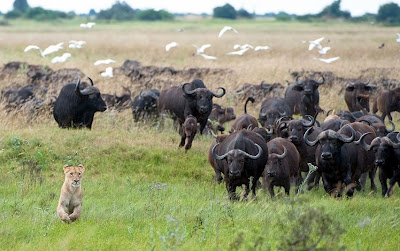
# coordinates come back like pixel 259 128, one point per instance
pixel 71 174
pixel 79 174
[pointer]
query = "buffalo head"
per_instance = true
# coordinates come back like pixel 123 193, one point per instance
pixel 91 96
pixel 274 166
pixel 307 86
pixel 201 98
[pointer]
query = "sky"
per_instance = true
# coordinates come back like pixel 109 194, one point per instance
pixel 299 7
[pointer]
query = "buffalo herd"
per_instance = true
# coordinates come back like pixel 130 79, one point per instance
pixel 277 147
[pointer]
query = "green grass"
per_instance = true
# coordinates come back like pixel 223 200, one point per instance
pixel 142 192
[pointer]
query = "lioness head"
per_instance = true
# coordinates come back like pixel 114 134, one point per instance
pixel 73 174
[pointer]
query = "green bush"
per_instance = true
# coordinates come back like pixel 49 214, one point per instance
pixel 13 14
pixel 389 13
pixel 119 11
pixel 153 15
pixel 284 17
pixel 40 14
pixel 242 13
pixel 226 11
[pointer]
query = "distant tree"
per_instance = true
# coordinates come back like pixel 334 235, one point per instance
pixel 119 11
pixel 39 14
pixel 242 13
pixel 226 11
pixel 21 5
pixel 333 11
pixel 153 15
pixel 389 13
pixel 92 12
pixel 13 14
pixel 283 16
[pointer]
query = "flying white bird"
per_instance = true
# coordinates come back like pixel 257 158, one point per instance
pixel 47 51
pixel 200 50
pixel 315 43
pixel 104 61
pixel 88 25
pixel 324 50
pixel 398 38
pixel 226 28
pixel 207 56
pixel 108 72
pixel 240 53
pixel 236 46
pixel 259 48
pixel 327 60
pixel 171 45
pixel 61 59
pixel 73 44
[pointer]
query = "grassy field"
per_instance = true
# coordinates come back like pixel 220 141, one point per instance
pixel 140 190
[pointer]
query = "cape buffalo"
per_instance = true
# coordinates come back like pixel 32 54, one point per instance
pixel 282 166
pixel 221 115
pixel 145 104
pixel 190 98
pixel 245 120
pixel 357 95
pixel 188 131
pixel 241 156
pixel 303 97
pixel 75 107
pixel 386 102
pixel 272 109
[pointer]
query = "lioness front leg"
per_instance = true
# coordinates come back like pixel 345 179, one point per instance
pixel 77 212
pixel 62 214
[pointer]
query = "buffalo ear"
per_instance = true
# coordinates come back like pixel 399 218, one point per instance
pixel 298 88
pixel 350 88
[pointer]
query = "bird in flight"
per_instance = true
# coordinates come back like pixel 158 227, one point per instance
pixel 201 49
pixel 104 61
pixel 381 46
pixel 73 44
pixel 171 45
pixel 240 53
pixel 327 60
pixel 398 38
pixel 61 59
pixel 262 48
pixel 88 25
pixel 47 51
pixel 208 57
pixel 108 72
pixel 315 43
pixel 225 29
pixel 324 50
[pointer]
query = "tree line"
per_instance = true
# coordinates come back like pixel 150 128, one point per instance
pixel 388 13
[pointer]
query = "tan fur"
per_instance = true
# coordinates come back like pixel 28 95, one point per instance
pixel 70 203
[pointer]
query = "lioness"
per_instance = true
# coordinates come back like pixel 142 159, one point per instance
pixel 70 203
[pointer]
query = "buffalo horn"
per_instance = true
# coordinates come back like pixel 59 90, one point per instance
pixel 323 81
pixel 216 156
pixel 347 140
pixel 393 127
pixel 219 95
pixel 283 155
pixel 186 91
pixel 309 143
pixel 366 121
pixel 91 81
pixel 361 142
pixel 269 130
pixel 78 86
pixel 310 121
pixel 254 156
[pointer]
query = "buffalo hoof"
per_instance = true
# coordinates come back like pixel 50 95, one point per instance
pixel 350 192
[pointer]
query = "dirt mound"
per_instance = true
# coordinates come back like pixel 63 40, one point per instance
pixel 258 92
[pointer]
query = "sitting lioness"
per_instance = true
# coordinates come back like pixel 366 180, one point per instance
pixel 70 203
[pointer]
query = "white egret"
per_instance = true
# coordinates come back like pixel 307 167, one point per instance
pixel 398 38
pixel 104 61
pixel 207 56
pixel 226 28
pixel 108 72
pixel 171 45
pixel 315 43
pixel 73 44
pixel 240 53
pixel 327 60
pixel 47 51
pixel 324 50
pixel 61 59
pixel 260 48
pixel 88 25
pixel 201 49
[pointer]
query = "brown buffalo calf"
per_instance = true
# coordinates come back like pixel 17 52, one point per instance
pixel 188 131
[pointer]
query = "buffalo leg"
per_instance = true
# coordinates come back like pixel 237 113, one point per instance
pixel 189 143
pixel 271 190
pixel 231 191
pixel 371 175
pixel 287 188
pixel 390 116
pixel 202 126
pixel 382 179
pixel 392 182
pixel 183 136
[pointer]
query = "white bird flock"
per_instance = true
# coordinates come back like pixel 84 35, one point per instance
pixel 47 51
pixel 61 59
pixel 321 50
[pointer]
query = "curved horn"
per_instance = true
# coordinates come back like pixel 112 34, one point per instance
pixel 263 114
pixel 321 82
pixel 278 121
pixel 254 156
pixel 348 140
pixel 187 92
pixel 91 81
pixel 219 95
pixel 283 155
pixel 366 83
pixel 78 86
pixel 213 134
pixel 280 109
pixel 361 142
pixel 216 156
pixel 310 122
pixel 309 143
pixel 392 144
pixel 393 127
pixel 251 99
pixel 249 127
pixel 269 130
pixel 364 120
pixel 297 79
pixel 329 111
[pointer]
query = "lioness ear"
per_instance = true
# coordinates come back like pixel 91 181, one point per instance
pixel 65 168
pixel 82 167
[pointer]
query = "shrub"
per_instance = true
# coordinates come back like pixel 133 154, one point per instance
pixel 226 11
pixel 119 11
pixel 389 13
pixel 153 15
pixel 242 13
pixel 13 14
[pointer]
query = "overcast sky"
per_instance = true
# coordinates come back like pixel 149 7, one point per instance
pixel 356 7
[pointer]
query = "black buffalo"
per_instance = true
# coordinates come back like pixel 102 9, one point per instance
pixel 272 109
pixel 303 97
pixel 340 161
pixel 282 165
pixel 220 115
pixel 190 98
pixel 241 156
pixel 75 108
pixel 245 121
pixel 387 159
pixel 386 102
pixel 357 95
pixel 144 105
